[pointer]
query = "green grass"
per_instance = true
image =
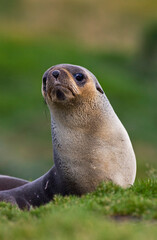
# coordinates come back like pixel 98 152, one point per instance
pixel 109 213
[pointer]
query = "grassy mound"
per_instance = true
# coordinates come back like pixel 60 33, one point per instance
pixel 96 215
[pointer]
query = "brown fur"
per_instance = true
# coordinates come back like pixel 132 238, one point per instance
pixel 90 144
pixel 94 144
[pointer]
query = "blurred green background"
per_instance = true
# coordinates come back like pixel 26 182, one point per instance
pixel 116 40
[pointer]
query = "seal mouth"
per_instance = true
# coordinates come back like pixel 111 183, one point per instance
pixel 60 92
pixel 61 86
pixel 60 95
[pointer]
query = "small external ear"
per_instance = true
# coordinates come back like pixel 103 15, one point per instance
pixel 98 87
pixel 44 80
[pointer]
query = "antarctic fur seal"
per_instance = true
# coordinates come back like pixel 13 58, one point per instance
pixel 90 144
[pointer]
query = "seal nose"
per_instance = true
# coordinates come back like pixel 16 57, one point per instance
pixel 56 73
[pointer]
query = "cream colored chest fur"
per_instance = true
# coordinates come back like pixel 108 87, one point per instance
pixel 96 155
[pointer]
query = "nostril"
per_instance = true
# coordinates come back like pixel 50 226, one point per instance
pixel 55 73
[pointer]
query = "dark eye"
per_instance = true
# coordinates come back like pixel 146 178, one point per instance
pixel 79 76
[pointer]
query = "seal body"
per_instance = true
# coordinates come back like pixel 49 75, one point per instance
pixel 90 144
pixel 7 182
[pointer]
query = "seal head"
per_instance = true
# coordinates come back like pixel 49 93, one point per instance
pixel 64 82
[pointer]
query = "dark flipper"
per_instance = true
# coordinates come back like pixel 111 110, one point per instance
pixel 7 182
pixel 34 193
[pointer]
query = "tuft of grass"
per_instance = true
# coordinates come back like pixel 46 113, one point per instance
pixel 97 215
